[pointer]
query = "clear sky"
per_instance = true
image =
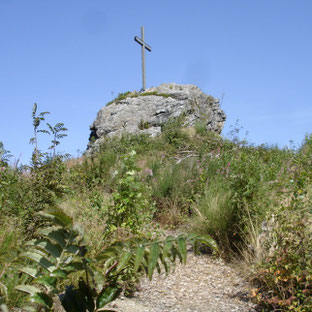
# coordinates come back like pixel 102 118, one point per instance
pixel 73 56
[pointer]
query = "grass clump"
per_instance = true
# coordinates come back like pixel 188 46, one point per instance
pixel 129 94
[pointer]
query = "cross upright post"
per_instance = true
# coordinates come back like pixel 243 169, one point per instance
pixel 143 47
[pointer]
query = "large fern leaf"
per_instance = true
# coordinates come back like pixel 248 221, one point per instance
pixel 52 256
pixel 145 255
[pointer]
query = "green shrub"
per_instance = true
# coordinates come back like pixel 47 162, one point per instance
pixel 173 134
pixel 284 278
pixel 200 128
pixel 131 203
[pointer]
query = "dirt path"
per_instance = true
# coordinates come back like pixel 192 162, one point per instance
pixel 204 284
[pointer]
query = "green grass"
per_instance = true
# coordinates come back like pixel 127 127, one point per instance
pixel 129 94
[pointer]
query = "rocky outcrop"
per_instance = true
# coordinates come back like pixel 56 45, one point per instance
pixel 147 112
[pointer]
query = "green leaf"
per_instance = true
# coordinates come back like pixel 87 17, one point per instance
pixel 28 289
pixel 109 294
pixel 123 261
pixel 182 247
pixel 167 247
pixel 58 235
pixel 34 110
pixel 58 217
pixel 50 127
pixel 3 292
pixel 30 271
pixel 107 253
pixel 43 131
pixel 164 263
pixel 48 281
pixel 74 249
pixel 46 246
pixel 97 275
pixel 138 257
pixel 174 253
pixel 74 267
pixel 59 273
pixel 153 259
pixel 208 241
pixel 42 298
pixel 44 262
pixel 108 263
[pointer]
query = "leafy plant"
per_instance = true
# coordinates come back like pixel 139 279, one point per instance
pixel 284 278
pixel 172 132
pixel 37 119
pixel 143 124
pixel 59 251
pixel 131 203
pixel 57 135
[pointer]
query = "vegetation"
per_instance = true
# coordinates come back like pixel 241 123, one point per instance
pixel 129 94
pixel 243 202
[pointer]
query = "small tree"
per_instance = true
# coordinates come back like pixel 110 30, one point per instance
pixel 57 135
pixel 36 123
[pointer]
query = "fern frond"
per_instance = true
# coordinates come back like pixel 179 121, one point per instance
pixel 146 255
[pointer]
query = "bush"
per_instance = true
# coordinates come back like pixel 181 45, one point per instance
pixel 284 278
pixel 131 205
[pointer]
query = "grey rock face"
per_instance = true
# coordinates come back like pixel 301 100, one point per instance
pixel 147 112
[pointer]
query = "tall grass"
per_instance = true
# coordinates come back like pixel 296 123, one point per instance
pixel 215 215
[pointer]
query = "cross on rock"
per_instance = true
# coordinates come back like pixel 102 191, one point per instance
pixel 143 47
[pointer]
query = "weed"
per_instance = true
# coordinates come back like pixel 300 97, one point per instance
pixel 131 205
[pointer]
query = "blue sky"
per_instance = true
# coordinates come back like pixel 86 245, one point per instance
pixel 73 56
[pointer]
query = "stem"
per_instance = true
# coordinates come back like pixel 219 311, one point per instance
pixel 87 275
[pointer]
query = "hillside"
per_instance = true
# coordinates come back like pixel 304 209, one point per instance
pixel 243 203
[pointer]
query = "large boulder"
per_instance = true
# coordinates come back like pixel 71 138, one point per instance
pixel 147 112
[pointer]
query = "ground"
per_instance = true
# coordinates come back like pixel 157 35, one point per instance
pixel 204 284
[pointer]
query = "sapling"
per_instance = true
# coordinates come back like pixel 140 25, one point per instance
pixel 57 135
pixel 36 123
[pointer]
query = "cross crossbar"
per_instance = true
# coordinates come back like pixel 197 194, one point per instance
pixel 143 47
pixel 138 40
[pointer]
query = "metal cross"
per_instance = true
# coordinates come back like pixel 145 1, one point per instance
pixel 143 47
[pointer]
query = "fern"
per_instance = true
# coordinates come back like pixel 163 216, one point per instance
pixel 59 250
pixel 55 253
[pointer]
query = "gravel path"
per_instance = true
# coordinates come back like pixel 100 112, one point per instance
pixel 204 284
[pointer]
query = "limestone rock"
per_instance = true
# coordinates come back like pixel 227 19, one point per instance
pixel 147 112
